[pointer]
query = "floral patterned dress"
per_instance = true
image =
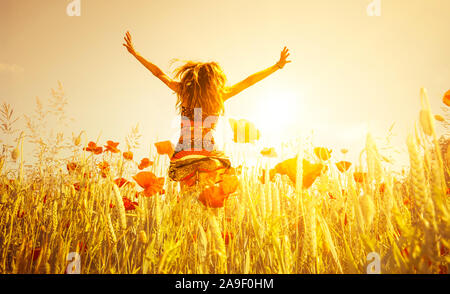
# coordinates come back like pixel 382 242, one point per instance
pixel 196 161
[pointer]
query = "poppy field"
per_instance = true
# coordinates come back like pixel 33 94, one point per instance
pixel 102 210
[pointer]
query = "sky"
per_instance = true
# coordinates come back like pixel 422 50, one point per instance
pixel 350 73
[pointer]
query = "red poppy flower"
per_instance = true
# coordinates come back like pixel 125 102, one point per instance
pixel 229 184
pixel 67 225
pixel 406 201
pixel 81 247
pixel 227 236
pixel 382 188
pixel 359 177
pixel 91 147
pixel 20 214
pixel 128 155
pixel 446 98
pixel 289 167
pixel 343 166
pixel 35 252
pixel 345 220
pixel 443 250
pixel 98 150
pixel 213 197
pixel 150 183
pixel 120 182
pixel 77 186
pixel 103 166
pixel 322 153
pixel 87 175
pixel 145 162
pixel 112 147
pixel 71 166
pixel 164 147
pixel 129 205
pixel 331 196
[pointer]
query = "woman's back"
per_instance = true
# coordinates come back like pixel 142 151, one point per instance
pixel 197 133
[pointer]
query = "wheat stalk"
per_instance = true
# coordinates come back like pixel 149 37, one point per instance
pixel 121 208
pixel 110 230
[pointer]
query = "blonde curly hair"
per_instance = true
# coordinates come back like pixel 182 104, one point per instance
pixel 202 85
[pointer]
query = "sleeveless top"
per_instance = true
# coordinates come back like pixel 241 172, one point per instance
pixel 196 137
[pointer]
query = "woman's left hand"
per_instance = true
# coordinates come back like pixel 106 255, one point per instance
pixel 283 56
pixel 129 44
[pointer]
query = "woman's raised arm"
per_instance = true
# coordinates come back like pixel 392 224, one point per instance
pixel 156 71
pixel 254 78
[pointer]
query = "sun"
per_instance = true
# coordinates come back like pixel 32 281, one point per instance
pixel 276 111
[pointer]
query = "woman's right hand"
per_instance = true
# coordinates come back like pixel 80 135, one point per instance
pixel 129 44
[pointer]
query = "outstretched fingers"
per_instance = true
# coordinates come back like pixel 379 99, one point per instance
pixel 283 57
pixel 127 38
pixel 128 43
pixel 285 52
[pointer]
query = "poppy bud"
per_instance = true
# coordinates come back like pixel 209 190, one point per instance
pixel 128 155
pixel 143 237
pixel 15 153
pixel 77 140
pixel 269 152
pixel 439 118
pixel 323 153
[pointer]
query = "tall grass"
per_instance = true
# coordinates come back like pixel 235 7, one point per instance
pixel 265 228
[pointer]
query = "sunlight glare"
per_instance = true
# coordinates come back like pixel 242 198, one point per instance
pixel 275 112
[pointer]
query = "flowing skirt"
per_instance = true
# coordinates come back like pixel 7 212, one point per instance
pixel 200 170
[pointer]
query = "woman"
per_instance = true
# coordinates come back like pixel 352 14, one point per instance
pixel 201 92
